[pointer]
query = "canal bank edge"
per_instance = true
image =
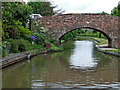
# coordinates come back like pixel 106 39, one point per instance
pixel 107 52
pixel 99 48
pixel 15 58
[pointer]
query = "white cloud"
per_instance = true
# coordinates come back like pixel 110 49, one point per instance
pixel 86 6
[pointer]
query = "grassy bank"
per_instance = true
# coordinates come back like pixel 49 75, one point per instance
pixel 100 40
pixel 105 41
pixel 117 51
pixel 89 34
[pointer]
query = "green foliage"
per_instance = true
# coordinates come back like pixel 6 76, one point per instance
pixel 102 41
pixel 16 11
pixel 40 38
pixel 55 48
pixel 43 8
pixel 14 45
pixel 105 13
pixel 80 32
pixel 116 10
pixel 23 14
pixel 3 37
pixel 17 45
pixel 51 38
pixel 23 32
pixel 93 33
pixel 34 47
pixel 22 45
pixel 17 30
pixel 70 35
pixel 3 50
pixel 15 18
pixel 16 33
pixel 116 51
pixel 37 27
pixel 38 33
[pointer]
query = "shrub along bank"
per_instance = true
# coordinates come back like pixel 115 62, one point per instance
pixel 36 40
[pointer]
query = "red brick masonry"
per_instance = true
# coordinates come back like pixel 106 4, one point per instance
pixel 59 25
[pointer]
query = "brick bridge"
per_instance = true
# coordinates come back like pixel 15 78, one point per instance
pixel 60 25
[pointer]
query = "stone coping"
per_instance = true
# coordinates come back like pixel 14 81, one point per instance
pixel 108 52
pixel 17 57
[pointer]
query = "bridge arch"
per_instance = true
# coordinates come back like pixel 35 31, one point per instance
pixel 96 29
pixel 106 24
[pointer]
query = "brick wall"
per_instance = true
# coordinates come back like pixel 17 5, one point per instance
pixel 59 25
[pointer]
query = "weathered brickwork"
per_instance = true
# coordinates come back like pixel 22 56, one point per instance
pixel 59 25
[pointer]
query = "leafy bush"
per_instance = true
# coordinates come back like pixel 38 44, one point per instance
pixel 14 45
pixel 52 47
pixel 3 50
pixel 38 33
pixel 55 48
pixel 22 45
pixel 23 32
pixel 39 38
pixel 15 19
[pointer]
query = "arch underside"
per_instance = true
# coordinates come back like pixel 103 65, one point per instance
pixel 97 29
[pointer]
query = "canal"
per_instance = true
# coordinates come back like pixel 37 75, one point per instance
pixel 78 66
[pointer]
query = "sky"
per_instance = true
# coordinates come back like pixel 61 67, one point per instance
pixel 85 6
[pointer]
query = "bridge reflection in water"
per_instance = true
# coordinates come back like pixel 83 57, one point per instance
pixel 80 67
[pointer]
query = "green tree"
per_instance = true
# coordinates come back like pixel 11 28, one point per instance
pixel 116 10
pixel 72 35
pixel 15 18
pixel 104 12
pixel 16 11
pixel 23 14
pixel 43 8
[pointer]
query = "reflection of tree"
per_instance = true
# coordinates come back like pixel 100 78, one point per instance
pixel 18 77
pixel 68 45
pixel 107 67
pixel 102 59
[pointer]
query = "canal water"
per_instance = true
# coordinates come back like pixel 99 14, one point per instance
pixel 78 66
